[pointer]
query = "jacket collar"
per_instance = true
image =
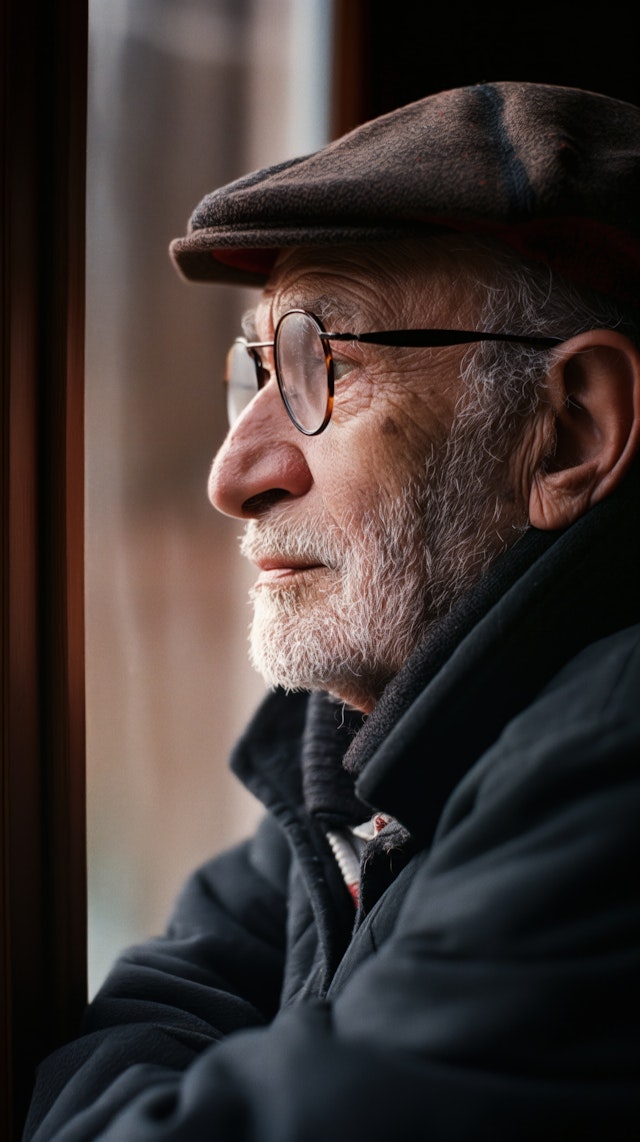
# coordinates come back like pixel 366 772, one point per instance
pixel 541 603
pixel 579 586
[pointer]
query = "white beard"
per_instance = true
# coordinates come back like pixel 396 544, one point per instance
pixel 353 618
pixel 348 627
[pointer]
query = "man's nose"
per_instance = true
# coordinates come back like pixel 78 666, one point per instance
pixel 261 461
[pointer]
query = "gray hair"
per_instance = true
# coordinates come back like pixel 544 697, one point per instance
pixel 504 383
pixel 503 389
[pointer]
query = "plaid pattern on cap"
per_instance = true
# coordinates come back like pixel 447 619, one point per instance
pixel 553 171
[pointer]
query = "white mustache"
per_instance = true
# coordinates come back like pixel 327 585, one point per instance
pixel 309 543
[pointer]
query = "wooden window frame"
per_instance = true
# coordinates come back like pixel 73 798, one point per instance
pixel 43 901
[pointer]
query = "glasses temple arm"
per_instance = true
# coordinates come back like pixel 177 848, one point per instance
pixel 425 338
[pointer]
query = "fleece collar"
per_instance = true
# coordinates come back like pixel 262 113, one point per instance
pixel 424 738
pixel 541 603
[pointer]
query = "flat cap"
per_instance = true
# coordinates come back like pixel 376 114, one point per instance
pixel 553 171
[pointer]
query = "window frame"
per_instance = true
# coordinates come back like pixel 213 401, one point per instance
pixel 43 901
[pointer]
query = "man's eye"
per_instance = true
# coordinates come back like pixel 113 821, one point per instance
pixel 341 368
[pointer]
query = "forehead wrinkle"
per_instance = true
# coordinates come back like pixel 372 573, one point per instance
pixel 385 285
pixel 367 289
pixel 361 300
pixel 343 285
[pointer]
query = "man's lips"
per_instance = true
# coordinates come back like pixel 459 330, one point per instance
pixel 273 569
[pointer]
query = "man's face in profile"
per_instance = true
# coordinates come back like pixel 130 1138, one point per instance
pixel 357 533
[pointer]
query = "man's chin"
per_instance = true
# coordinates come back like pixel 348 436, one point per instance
pixel 295 643
pixel 312 653
pixel 278 647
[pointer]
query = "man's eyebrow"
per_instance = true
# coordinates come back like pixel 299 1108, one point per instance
pixel 330 310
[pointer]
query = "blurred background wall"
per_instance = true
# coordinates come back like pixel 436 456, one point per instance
pixel 184 95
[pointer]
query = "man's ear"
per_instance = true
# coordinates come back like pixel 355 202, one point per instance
pixel 593 388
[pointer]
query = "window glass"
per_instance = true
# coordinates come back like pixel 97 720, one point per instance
pixel 184 95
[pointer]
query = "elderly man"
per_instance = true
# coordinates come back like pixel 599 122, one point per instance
pixel 434 447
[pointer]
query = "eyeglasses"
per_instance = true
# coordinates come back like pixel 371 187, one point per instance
pixel 304 364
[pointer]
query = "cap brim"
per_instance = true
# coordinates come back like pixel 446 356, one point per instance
pixel 246 257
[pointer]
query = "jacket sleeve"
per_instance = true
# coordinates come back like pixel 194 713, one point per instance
pixel 502 1004
pixel 217 969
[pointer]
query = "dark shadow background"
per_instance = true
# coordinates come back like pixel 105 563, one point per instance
pixel 392 53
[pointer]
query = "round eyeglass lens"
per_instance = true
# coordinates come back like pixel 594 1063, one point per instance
pixel 241 379
pixel 303 371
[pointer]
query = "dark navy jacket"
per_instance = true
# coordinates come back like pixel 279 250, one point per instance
pixel 488 987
